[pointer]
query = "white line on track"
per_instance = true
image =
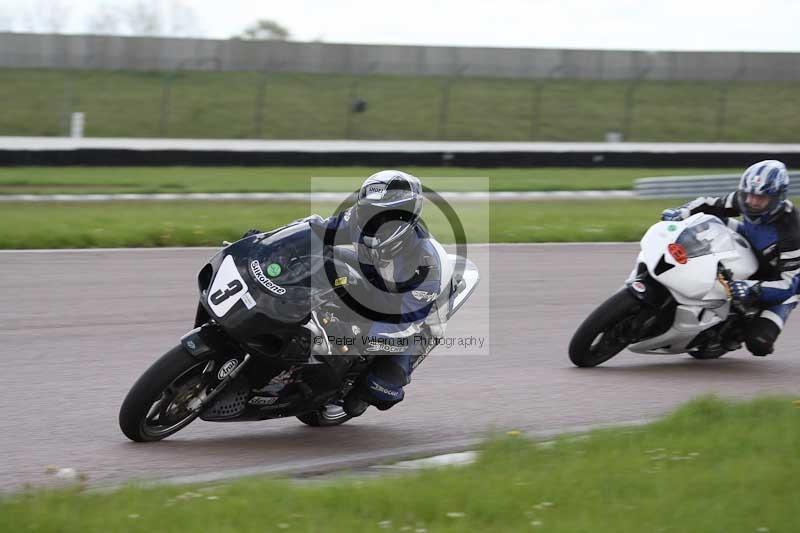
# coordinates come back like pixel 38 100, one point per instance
pixel 212 248
pixel 477 196
pixel 367 459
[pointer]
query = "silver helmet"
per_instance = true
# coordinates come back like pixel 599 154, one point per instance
pixel 387 211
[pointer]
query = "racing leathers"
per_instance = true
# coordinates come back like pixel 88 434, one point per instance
pixel 777 247
pixel 401 295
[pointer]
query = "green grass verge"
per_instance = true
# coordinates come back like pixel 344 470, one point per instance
pixel 316 106
pixel 712 465
pixel 86 180
pixel 123 224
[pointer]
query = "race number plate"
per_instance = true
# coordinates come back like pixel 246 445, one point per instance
pixel 227 289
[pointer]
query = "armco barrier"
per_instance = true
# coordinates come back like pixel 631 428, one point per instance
pixel 691 186
pixel 59 151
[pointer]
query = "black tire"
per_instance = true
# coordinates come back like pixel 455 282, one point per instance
pixel 587 349
pixel 175 366
pixel 321 419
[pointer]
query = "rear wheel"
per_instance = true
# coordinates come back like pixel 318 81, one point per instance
pixel 331 414
pixel 165 399
pixel 605 332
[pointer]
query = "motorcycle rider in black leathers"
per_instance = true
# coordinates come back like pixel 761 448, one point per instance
pixel 381 235
pixel 402 263
pixel 771 225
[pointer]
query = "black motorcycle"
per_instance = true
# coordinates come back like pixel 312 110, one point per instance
pixel 260 347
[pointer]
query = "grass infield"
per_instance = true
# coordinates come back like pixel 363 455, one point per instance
pixel 88 180
pixel 189 223
pixel 712 465
pixel 285 105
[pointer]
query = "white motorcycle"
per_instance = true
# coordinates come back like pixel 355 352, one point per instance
pixel 677 299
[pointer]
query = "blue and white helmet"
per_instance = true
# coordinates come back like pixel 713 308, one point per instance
pixel 766 178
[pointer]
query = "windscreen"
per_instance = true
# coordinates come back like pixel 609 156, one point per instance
pixel 286 259
pixel 705 236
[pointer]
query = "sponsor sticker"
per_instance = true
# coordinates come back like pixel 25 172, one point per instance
pixel 263 400
pixel 226 369
pixel 271 286
pixel 338 282
pixel 375 346
pixel 672 227
pixel 376 191
pixel 424 296
pixel 380 388
pixel 248 300
pixel 274 269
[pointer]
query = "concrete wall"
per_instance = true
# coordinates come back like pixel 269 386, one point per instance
pixel 19 50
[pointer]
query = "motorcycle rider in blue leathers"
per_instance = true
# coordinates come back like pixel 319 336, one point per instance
pixel 771 225
pixel 403 264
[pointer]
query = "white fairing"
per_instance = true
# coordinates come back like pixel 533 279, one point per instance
pixel 449 302
pixel 702 299
pixel 446 261
pixel 470 277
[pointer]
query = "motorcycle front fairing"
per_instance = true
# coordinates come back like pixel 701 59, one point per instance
pixel 270 280
pixel 702 242
pixel 263 292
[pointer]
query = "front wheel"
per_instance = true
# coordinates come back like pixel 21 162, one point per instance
pixel 165 399
pixel 605 332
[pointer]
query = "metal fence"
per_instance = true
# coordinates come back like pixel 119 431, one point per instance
pixel 693 186
pixel 277 104
pixel 165 54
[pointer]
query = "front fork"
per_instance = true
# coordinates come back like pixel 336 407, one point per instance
pixel 654 297
pixel 206 342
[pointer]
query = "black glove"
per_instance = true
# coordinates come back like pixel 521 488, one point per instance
pixel 745 290
pixel 674 214
pixel 251 232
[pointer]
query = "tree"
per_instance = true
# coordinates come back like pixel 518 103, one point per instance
pixel 143 18
pixel 181 20
pixel 265 30
pixel 170 18
pixel 104 21
pixel 45 16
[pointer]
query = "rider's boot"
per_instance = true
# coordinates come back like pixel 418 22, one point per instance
pixel 732 336
pixel 353 404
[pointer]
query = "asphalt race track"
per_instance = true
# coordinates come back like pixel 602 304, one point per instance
pixel 78 327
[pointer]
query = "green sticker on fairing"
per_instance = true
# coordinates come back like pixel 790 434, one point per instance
pixel 274 270
pixel 672 227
